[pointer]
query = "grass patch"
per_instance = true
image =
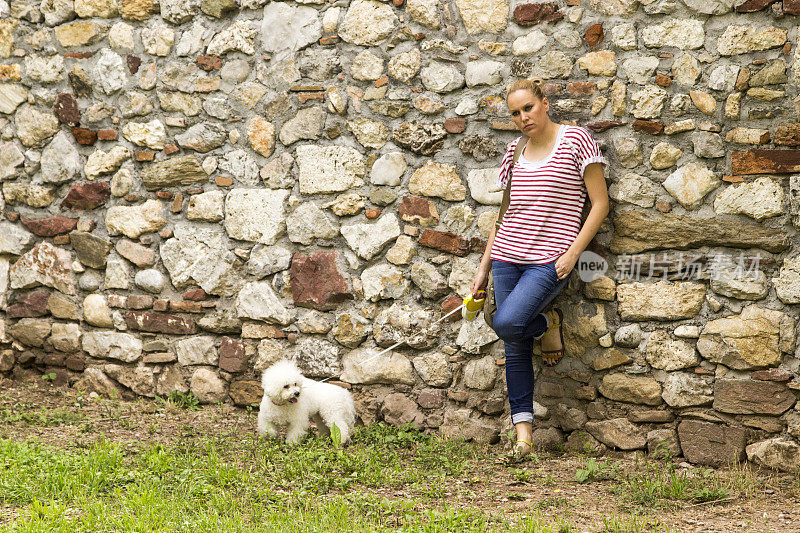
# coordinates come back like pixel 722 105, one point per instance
pixel 214 484
pixel 28 415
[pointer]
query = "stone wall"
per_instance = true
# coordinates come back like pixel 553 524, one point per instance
pixel 195 189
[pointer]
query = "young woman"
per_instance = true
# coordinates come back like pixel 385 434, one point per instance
pixel 536 245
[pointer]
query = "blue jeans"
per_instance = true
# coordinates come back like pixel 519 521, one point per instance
pixel 522 292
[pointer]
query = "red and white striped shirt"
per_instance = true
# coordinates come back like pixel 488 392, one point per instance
pixel 544 214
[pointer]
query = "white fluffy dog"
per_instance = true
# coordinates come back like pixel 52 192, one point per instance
pixel 292 400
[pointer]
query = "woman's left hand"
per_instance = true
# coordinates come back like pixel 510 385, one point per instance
pixel 565 263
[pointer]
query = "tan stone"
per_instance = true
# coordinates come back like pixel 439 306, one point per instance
pixel 600 63
pixel 704 102
pixel 7 37
pixel 660 301
pixel 747 136
pixel 261 135
pixel 96 8
pixel 602 288
pixel 80 33
pixel 767 95
pixel 438 180
pixel 631 389
pixel 609 359
pixel 745 341
pixel 484 15
pixel 664 155
pixel 733 106
pixel 739 39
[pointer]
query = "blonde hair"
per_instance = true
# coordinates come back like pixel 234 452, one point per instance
pixel 533 85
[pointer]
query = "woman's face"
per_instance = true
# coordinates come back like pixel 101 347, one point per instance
pixel 529 113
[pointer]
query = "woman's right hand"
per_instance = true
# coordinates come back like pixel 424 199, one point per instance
pixel 481 278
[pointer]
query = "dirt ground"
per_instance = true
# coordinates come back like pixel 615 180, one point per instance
pixel 71 420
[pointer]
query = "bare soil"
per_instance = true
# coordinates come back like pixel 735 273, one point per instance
pixel 70 420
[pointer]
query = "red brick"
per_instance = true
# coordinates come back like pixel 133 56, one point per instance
pixel 165 195
pixel 232 356
pixel 418 210
pixel 177 203
pixel 140 301
pixel 765 161
pixel 160 305
pixel 530 14
pixel 603 125
pixel 208 63
pixel 372 213
pixel 133 64
pixel 581 88
pixel 663 81
pixel 159 323
pixel 171 149
pixel 195 295
pixel 380 82
pixel 224 181
pixel 61 240
pixel 79 55
pixel 29 305
pixel 12 216
pixel 50 226
pixel 455 125
pixel 449 304
pixel 107 135
pixel 791 7
pixel 305 97
pixel 66 109
pixel 751 6
pixel 144 155
pixel 186 307
pixel 317 281
pixel 445 241
pixel 84 137
pixel 594 34
pixel 772 374
pixel 87 196
pixel 648 126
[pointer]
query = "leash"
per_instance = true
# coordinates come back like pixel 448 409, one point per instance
pixel 398 343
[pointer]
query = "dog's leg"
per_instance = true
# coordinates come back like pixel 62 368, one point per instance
pixel 295 432
pixel 344 428
pixel 264 426
pixel 322 427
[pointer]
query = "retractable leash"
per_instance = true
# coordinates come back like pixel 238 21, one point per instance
pixel 471 307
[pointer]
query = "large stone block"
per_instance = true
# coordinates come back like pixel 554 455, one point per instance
pixel 739 396
pixel 317 280
pixel 256 215
pixel 711 444
pixel 182 170
pixel 749 340
pixel 326 169
pixel 637 231
pixel 618 433
pixel 660 301
pixel 632 389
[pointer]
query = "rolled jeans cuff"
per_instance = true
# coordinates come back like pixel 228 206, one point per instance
pixel 516 418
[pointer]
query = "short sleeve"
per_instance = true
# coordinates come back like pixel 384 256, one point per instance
pixel 505 165
pixel 587 151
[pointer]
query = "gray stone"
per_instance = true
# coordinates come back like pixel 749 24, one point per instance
pixel 484 72
pixel 663 444
pixel 398 409
pixel 383 282
pixel 317 358
pixel 367 239
pixel 61 161
pixel 255 215
pixel 258 301
pixel 200 255
pixel 760 199
pixel 360 366
pixel 475 336
pixel 480 374
pixel 239 36
pixel 618 433
pixel 686 390
pixel 441 78
pixel 30 331
pixel 778 453
pixel 634 189
pixel 266 260
pixel 91 250
pixel 112 345
pixel 11 96
pixel 429 281
pixel 632 389
pixel 433 368
pixel 202 137
pixel 179 11
pixel 708 145
pixel 462 424
pixel 208 386
pixel 13 238
pixel 100 163
pixel 329 169
pixel 288 28
pixel 483 186
pixel 199 350
pixel 150 280
pixel 669 354
pixel 109 71
pixel 640 69
pixel 208 206
pixel 11 158
pixel 307 124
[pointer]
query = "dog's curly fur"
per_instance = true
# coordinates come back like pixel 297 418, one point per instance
pixel 292 400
